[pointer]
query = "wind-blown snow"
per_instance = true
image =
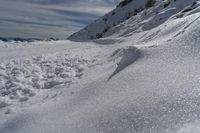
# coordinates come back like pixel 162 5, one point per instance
pixel 128 56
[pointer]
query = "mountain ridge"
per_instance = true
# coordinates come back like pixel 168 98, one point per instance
pixel 147 14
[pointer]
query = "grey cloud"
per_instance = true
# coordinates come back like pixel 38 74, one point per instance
pixel 48 16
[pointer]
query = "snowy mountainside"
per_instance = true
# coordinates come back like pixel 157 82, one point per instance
pixel 154 17
pixel 137 16
pixel 118 15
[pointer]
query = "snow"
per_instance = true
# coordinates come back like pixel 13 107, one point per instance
pixel 108 21
pixel 128 56
pixel 125 21
pixel 190 128
pixel 22 79
pixel 138 80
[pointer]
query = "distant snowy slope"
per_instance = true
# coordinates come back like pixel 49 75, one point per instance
pixel 153 17
pixel 140 15
pixel 118 15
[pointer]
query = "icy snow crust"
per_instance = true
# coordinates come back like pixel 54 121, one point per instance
pixel 143 82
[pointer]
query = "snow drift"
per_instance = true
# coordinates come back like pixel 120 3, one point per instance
pixel 127 56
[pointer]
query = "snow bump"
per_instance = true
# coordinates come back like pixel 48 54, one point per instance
pixel 127 55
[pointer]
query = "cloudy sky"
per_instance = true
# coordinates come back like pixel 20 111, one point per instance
pixel 46 18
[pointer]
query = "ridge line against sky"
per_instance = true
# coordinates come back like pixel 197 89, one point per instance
pixel 49 18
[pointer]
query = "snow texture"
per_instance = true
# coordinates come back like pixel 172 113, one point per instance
pixel 21 79
pixel 128 55
pixel 142 77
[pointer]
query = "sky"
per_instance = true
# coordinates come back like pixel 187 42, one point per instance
pixel 49 18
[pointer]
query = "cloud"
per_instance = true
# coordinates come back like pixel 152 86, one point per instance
pixel 45 18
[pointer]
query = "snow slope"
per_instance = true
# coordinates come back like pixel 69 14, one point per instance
pixel 29 69
pixel 133 18
pixel 96 29
pixel 140 82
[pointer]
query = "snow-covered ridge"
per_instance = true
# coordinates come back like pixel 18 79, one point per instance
pixel 20 39
pixel 146 20
pixel 138 15
pixel 103 24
